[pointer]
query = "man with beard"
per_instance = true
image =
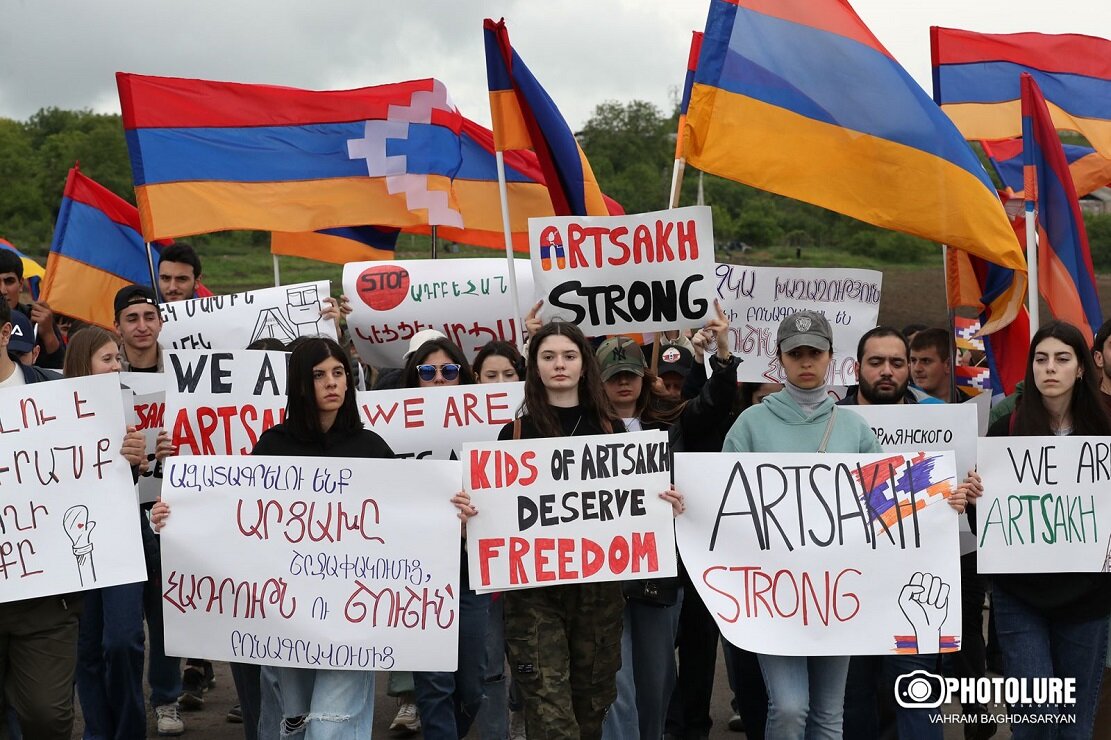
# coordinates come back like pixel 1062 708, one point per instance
pixel 883 370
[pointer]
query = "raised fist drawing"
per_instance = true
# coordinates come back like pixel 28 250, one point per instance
pixel 925 604
pixel 78 527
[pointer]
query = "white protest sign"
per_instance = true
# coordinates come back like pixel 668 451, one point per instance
pixel 436 422
pixel 1046 506
pixel 929 427
pixel 308 562
pixel 69 519
pixel 569 510
pixel 466 299
pixel 756 299
pixel 235 321
pixel 824 554
pixel 143 383
pixel 636 273
pixel 221 402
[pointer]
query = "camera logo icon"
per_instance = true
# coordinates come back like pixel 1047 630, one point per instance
pixel 919 690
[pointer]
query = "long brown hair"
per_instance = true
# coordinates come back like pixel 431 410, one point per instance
pixel 592 396
pixel 80 349
pixel 655 408
pixel 1086 407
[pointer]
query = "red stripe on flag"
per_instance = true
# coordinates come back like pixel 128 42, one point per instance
pixel 1069 53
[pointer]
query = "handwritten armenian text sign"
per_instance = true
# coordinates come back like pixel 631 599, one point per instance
pixel 1046 506
pixel 221 402
pixel 69 518
pixel 612 274
pixel 831 554
pixel 235 321
pixel 468 300
pixel 333 563
pixel 569 510
pixel 756 299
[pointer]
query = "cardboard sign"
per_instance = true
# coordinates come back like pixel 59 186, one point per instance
pixel 569 510
pixel 221 402
pixel 1046 506
pixel 235 321
pixel 614 274
pixel 69 518
pixel 756 299
pixel 349 564
pixel 147 416
pixel 824 554
pixel 467 300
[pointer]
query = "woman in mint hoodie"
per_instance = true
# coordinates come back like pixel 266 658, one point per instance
pixel 806 695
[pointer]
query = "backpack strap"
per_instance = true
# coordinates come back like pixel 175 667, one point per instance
pixel 517 428
pixel 829 430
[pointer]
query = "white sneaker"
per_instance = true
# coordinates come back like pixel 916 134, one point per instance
pixel 169 719
pixel 407 720
pixel 517 726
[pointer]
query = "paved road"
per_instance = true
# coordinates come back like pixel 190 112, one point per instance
pixel 210 723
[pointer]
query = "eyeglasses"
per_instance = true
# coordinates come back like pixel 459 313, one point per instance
pixel 448 371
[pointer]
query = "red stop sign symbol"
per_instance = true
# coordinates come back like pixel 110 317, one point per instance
pixel 383 287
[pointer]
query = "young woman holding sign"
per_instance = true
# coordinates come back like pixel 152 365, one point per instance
pixel 110 639
pixel 564 641
pixel 806 695
pixel 322 420
pixel 1054 624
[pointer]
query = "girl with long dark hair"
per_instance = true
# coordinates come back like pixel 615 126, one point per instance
pixel 1053 624
pixel 564 641
pixel 322 420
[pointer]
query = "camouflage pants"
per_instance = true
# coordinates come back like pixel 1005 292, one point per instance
pixel 565 649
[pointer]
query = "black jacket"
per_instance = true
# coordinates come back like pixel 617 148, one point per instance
pixel 280 440
pixel 36 374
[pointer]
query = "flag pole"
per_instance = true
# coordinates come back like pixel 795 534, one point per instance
pixel 1032 266
pixel 150 266
pixel 677 171
pixel 277 271
pixel 434 240
pixel 503 194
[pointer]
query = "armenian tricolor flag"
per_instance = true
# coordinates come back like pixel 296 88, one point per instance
pixel 798 97
pixel 976 81
pixel 97 249
pixel 209 156
pixel 688 85
pixel 525 117
pixel 1088 168
pixel 1066 277
pixel 32 271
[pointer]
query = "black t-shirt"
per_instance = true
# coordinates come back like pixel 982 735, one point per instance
pixel 280 440
pixel 574 420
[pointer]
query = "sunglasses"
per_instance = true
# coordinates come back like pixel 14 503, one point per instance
pixel 448 371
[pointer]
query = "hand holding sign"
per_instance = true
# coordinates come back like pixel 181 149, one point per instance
pixel 925 604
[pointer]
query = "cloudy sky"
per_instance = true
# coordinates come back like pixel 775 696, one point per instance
pixel 64 53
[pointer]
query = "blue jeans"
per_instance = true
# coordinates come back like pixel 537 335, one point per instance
pixel 647 673
pixel 326 704
pixel 1037 646
pixel 493 718
pixel 913 724
pixel 163 671
pixel 448 702
pixel 110 663
pixel 806 696
pixel 270 703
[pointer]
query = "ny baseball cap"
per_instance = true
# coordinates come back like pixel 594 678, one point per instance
pixel 804 329
pixel 22 339
pixel 620 355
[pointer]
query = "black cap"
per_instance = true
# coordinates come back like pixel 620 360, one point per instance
pixel 675 358
pixel 129 295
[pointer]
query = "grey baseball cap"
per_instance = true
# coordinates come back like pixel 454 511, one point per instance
pixel 804 329
pixel 620 355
